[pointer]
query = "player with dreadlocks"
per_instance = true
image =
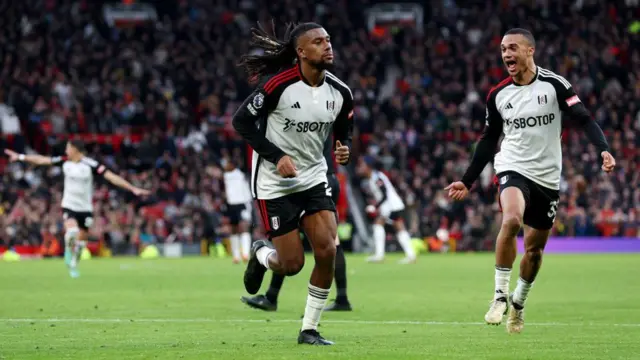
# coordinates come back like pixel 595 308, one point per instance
pixel 286 120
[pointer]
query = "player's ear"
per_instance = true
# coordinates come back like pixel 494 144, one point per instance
pixel 301 54
pixel 532 51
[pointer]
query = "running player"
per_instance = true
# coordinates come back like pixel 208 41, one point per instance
pixel 527 108
pixel 389 209
pixel 77 197
pixel 286 121
pixel 239 209
pixel 269 301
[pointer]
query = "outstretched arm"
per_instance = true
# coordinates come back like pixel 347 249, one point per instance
pixel 124 184
pixel 32 159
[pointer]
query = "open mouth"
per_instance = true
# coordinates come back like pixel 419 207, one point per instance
pixel 511 65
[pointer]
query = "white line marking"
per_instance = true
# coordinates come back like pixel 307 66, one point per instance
pixel 359 322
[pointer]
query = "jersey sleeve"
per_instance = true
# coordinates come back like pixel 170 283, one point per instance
pixel 58 160
pixel 329 155
pixel 254 109
pixel 486 146
pixel 97 169
pixel 383 191
pixel 343 127
pixel 570 104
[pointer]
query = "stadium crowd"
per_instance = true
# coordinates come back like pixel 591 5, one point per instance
pixel 164 93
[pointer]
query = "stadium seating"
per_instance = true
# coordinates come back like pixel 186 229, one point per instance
pixel 156 101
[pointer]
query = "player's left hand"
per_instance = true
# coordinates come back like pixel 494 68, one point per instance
pixel 457 190
pixel 342 153
pixel 140 192
pixel 608 161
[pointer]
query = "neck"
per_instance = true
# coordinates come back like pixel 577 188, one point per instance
pixel 76 158
pixel 526 77
pixel 313 75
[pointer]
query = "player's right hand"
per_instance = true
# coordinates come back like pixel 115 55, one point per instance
pixel 286 167
pixel 457 190
pixel 13 156
pixel 140 192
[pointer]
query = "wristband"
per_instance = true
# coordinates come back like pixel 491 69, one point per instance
pixel 21 157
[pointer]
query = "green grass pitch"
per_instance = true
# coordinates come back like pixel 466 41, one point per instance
pixel 581 307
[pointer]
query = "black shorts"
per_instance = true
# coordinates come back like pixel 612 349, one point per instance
pixel 282 215
pixel 541 202
pixel 84 219
pixel 396 215
pixel 237 213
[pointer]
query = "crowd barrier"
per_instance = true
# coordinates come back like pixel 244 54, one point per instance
pixel 565 245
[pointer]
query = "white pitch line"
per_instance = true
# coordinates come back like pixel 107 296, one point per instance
pixel 359 322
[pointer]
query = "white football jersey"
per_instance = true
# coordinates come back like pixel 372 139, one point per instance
pixel 297 118
pixel 236 187
pixel 78 182
pixel 530 118
pixel 384 193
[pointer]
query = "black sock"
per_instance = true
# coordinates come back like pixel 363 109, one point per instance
pixel 341 275
pixel 274 287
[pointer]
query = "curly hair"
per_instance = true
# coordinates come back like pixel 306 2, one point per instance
pixel 278 53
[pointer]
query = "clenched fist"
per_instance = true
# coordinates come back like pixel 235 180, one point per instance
pixel 286 167
pixel 608 161
pixel 342 153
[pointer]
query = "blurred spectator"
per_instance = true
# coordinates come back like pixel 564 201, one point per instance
pixel 164 94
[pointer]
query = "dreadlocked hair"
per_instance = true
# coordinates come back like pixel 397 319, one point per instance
pixel 278 53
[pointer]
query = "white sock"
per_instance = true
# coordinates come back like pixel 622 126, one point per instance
pixel 235 246
pixel 405 242
pixel 379 240
pixel 245 240
pixel 503 275
pixel 263 255
pixel 521 292
pixel 316 300
pixel 77 252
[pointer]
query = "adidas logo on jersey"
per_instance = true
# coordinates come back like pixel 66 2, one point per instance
pixel 509 106
pixel 296 106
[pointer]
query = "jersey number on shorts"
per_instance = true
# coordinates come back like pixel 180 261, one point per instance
pixel 88 222
pixel 328 191
pixel 553 209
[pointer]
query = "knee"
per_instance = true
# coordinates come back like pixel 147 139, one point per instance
pixel 70 224
pixel 534 254
pixel 293 266
pixel 326 251
pixel 512 222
